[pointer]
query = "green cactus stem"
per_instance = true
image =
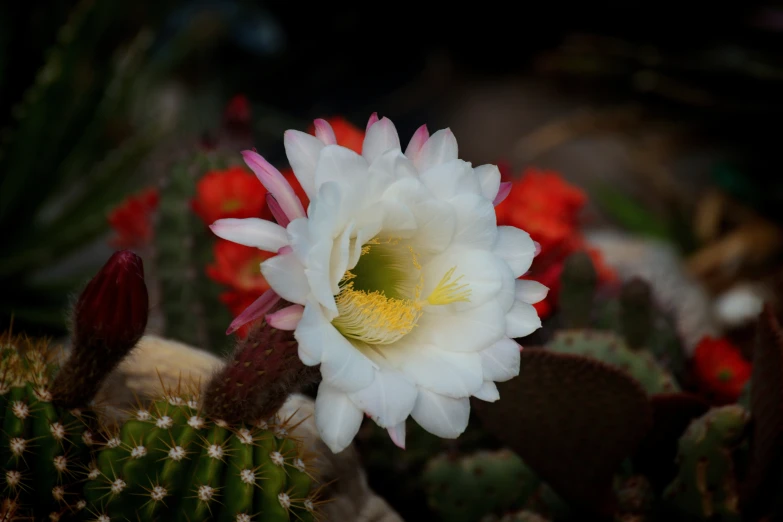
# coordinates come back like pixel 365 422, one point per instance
pixel 706 486
pixel 170 462
pixel 611 349
pixel 578 280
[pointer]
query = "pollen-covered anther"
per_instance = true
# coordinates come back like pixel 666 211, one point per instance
pixel 284 500
pixel 158 493
pixel 18 446
pixel 60 463
pixel 205 493
pixel 20 410
pixel 196 422
pixel 449 291
pixel 138 452
pixel 177 453
pixel 215 451
pixel 165 422
pixel 248 476
pixel 118 486
pixel 13 478
pixel 244 436
pixel 58 493
pixel 373 317
pixel 57 430
pixel 277 458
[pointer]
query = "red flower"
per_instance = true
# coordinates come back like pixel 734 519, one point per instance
pixel 720 370
pixel 547 207
pixel 238 267
pixel 132 220
pixel 232 193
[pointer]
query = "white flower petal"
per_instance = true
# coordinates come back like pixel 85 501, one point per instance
pixel 453 374
pixel 252 232
pixel 389 399
pixel 343 166
pixel 342 364
pixel 450 179
pixel 302 151
pixel 500 362
pixel 286 318
pixel 441 416
pixel 381 137
pixel 476 221
pixel 435 222
pixel 397 434
pixel 488 392
pixel 516 248
pixel 336 417
pixel 440 148
pixel 418 140
pixel 522 320
pixel 530 292
pixel 507 294
pixel 285 275
pixel 324 132
pixel 469 331
pixel 489 179
pixel 338 263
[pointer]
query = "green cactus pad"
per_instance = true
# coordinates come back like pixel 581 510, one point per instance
pixel 43 448
pixel 705 487
pixel 169 462
pixel 467 488
pixel 611 349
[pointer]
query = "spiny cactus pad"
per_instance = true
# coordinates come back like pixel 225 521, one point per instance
pixel 169 462
pixel 705 487
pixel 611 349
pixel 43 448
pixel 469 487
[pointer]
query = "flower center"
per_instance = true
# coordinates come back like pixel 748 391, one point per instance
pixel 380 299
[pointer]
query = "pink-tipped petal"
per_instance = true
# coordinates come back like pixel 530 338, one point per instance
pixel 286 318
pixel 285 250
pixel 252 232
pixel 277 210
pixel 372 121
pixel 324 132
pixel 538 248
pixel 257 310
pixel 397 434
pixel 275 183
pixel 379 138
pixel 503 192
pixel 418 140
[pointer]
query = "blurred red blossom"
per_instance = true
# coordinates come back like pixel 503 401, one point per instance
pixel 131 220
pixel 230 193
pixel 543 204
pixel 720 370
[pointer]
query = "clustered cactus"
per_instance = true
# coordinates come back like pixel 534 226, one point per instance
pixel 173 459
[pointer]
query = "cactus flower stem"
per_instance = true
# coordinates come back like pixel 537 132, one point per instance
pixel 264 370
pixel 108 320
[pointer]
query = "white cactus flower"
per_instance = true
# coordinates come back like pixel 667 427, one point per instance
pixel 405 290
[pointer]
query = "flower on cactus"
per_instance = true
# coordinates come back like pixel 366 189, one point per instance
pixel 238 267
pixel 548 207
pixel 230 193
pixel 131 220
pixel 720 370
pixel 403 287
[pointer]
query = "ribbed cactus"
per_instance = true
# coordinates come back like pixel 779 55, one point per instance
pixel 470 487
pixel 706 486
pixel 183 248
pixel 611 349
pixel 43 447
pixel 172 462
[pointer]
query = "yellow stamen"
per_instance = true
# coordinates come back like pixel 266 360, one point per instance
pixel 449 292
pixel 374 318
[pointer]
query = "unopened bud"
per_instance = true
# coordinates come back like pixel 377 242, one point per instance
pixel 109 319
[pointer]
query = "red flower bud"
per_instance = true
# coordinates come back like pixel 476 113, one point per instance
pixel 109 319
pixel 720 370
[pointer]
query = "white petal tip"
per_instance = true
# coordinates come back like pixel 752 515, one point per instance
pixel 397 435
